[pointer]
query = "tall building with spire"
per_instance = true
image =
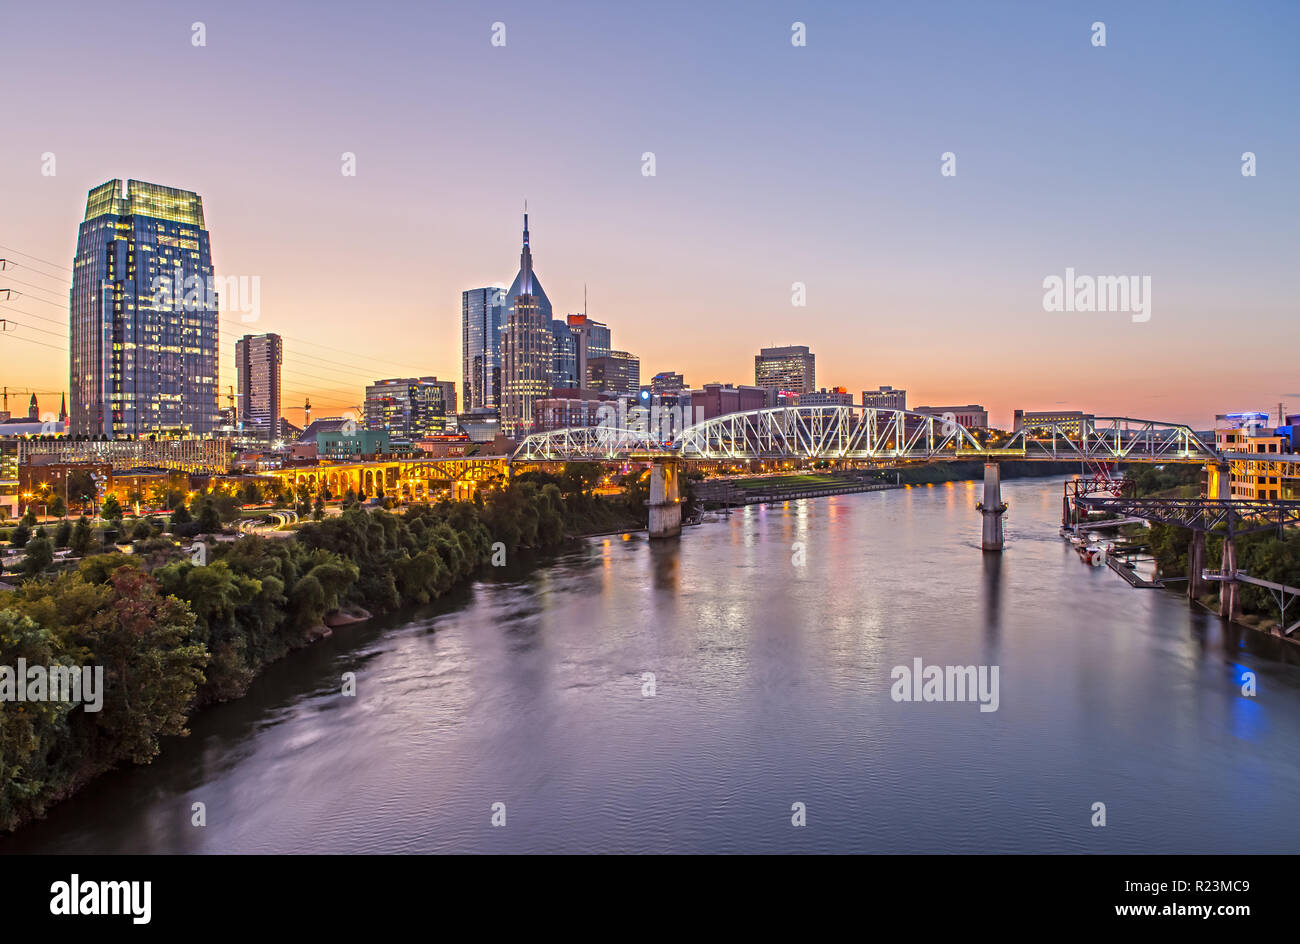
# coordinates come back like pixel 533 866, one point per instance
pixel 527 283
pixel 527 353
pixel 33 411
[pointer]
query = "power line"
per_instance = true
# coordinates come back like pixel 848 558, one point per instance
pixel 378 360
pixel 15 337
pixel 55 334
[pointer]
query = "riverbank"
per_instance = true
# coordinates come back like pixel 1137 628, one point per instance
pixel 526 686
pixel 172 635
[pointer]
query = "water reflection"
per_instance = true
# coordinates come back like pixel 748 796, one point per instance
pixel 772 683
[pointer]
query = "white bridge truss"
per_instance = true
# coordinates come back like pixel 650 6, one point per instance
pixel 870 434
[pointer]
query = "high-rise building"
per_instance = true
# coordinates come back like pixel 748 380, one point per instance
pixel 564 356
pixel 526 283
pixel 409 408
pixel 591 339
pixel 258 359
pixel 482 317
pixel 617 373
pixel 527 357
pixel 667 382
pixel 789 369
pixel 143 314
pixel 526 360
pixel 885 398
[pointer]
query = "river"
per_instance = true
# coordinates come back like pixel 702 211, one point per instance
pixel 772 675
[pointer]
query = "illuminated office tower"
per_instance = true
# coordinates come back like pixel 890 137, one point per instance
pixel 526 365
pixel 142 315
pixel 590 341
pixel 526 283
pixel 564 355
pixel 409 408
pixel 482 318
pixel 258 359
pixel 786 369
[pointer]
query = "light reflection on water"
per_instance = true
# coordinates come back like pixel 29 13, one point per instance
pixel 772 687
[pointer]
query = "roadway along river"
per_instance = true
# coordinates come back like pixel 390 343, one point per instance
pixel 773 688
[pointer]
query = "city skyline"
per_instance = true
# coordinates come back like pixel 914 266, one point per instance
pixel 904 270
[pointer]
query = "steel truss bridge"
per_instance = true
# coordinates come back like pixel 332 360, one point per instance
pixel 856 433
pixel 1236 515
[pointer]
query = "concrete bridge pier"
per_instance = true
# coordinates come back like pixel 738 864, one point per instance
pixel 1229 597
pixel 665 499
pixel 1195 564
pixel 992 508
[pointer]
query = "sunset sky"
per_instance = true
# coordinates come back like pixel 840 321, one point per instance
pixel 775 164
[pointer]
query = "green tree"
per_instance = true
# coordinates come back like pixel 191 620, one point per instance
pixel 39 555
pixel 111 508
pixel 81 486
pixel 82 537
pixel 63 533
pixel 57 507
pixel 209 518
pixel 21 534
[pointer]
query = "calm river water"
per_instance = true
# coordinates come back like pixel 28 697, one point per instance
pixel 772 687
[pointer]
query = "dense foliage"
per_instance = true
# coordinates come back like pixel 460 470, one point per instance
pixel 173 636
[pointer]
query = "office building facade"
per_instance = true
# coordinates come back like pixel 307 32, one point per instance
pixel 885 398
pixel 971 415
pixel 409 408
pixel 591 340
pixel 143 322
pixel 618 373
pixel 258 362
pixel 564 355
pixel 836 396
pixel 482 314
pixel 791 369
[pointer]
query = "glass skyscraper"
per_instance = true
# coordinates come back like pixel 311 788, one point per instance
pixel 482 319
pixel 410 407
pixel 564 355
pixel 526 283
pixel 142 315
